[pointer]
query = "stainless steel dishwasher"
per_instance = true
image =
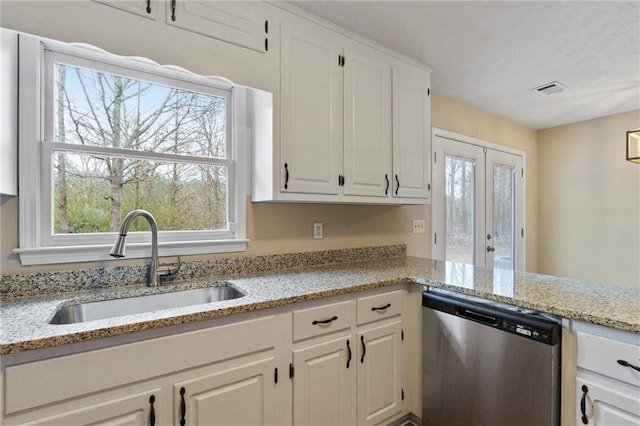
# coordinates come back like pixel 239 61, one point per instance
pixel 488 363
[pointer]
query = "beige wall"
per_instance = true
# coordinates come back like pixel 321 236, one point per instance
pixel 272 228
pixel 589 201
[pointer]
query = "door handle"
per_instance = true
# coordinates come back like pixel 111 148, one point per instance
pixel 327 321
pixel 152 411
pixel 348 354
pixel 364 349
pixel 490 249
pixel 583 405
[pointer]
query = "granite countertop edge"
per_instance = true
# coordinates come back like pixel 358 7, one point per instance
pixel 26 323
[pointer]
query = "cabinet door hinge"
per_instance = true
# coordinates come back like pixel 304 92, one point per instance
pixel 275 376
pixel 522 232
pixel 402 394
pixel 435 157
pixel 522 172
pixel 428 91
pixel 290 370
pixel 402 335
pixel 428 187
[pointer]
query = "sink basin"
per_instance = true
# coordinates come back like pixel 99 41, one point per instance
pixel 140 304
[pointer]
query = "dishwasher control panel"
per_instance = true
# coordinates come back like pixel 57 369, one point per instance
pixel 536 333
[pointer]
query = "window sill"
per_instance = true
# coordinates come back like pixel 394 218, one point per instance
pixel 99 253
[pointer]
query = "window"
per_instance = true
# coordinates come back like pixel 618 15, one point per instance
pixel 114 134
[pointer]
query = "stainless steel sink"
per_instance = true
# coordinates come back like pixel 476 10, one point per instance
pixel 140 304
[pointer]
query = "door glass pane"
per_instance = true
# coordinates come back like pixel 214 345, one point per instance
pixel 459 209
pixel 503 216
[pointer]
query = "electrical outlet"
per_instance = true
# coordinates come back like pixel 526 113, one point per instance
pixel 317 231
pixel 418 226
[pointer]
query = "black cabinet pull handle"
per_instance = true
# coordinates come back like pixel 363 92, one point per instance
pixel 381 308
pixel 148 9
pixel 183 407
pixel 624 363
pixel 327 321
pixel 364 349
pixel 583 405
pixel 286 175
pixel 173 10
pixel 348 353
pixel 386 189
pixel 397 183
pixel 152 411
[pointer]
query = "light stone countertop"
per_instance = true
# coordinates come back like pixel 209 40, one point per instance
pixel 25 322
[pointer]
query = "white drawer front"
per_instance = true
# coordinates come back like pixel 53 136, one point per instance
pixel 322 320
pixel 604 356
pixel 380 306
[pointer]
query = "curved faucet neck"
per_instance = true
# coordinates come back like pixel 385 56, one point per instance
pixel 124 229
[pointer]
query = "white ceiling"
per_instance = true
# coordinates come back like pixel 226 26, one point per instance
pixel 491 54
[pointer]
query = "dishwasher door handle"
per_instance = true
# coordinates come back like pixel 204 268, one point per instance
pixel 477 317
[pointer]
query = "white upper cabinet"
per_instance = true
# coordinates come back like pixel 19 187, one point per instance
pixel 367 122
pixel 8 112
pixel 411 132
pixel 311 146
pixel 337 124
pixel 144 8
pixel 238 22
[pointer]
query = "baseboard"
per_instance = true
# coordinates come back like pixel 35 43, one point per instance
pixel 412 418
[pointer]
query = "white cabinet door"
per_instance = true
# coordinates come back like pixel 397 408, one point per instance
pixel 239 22
pixel 311 122
pixel 411 132
pixel 144 8
pixel 243 394
pixel 379 384
pixel 367 122
pixel 324 383
pixel 136 409
pixel 606 406
pixel 8 112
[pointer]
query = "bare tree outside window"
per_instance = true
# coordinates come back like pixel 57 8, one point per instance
pixel 92 191
pixel 459 208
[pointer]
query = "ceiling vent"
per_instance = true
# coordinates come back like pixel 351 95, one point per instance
pixel 551 88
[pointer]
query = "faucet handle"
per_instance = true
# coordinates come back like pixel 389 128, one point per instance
pixel 169 269
pixel 174 268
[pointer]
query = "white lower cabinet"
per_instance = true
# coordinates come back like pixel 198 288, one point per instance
pixel 607 376
pixel 129 409
pixel 332 362
pixel 242 394
pixel 223 374
pixel 379 382
pixel 354 375
pixel 323 383
pixel 605 405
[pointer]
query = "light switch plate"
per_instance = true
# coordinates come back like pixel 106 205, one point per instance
pixel 418 226
pixel 317 230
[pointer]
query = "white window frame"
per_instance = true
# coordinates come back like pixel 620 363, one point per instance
pixel 37 243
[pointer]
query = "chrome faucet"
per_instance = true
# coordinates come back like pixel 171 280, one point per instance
pixel 155 269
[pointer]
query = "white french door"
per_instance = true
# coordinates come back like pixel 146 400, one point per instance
pixel 478 203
